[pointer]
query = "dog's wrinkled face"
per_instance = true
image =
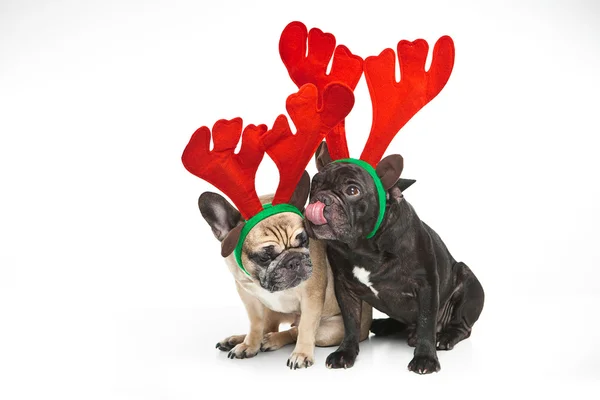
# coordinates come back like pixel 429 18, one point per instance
pixel 275 252
pixel 343 203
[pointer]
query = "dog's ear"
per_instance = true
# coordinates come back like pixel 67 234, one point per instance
pixel 389 170
pixel 322 157
pixel 395 192
pixel 220 215
pixel 404 184
pixel 301 193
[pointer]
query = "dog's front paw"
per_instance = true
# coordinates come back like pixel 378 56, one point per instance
pixel 341 359
pixel 300 360
pixel 424 364
pixel 229 343
pixel 242 350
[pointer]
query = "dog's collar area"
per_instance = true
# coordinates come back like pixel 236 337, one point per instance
pixel 267 211
pixel 381 193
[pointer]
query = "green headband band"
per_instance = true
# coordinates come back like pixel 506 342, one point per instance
pixel 267 211
pixel 381 194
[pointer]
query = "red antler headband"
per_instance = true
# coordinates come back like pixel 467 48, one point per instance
pixel 346 68
pixel 394 103
pixel 234 174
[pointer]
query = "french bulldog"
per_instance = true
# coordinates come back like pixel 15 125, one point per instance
pixel 404 270
pixel 289 282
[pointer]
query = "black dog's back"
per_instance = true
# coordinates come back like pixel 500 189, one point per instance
pixel 461 293
pixel 445 263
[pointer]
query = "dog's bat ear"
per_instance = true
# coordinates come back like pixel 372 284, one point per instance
pixel 220 215
pixel 397 189
pixel 322 157
pixel 301 193
pixel 231 240
pixel 404 184
pixel 389 170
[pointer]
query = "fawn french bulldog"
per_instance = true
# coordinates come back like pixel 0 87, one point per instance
pixel 289 281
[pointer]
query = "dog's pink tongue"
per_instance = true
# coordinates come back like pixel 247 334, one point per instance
pixel 314 213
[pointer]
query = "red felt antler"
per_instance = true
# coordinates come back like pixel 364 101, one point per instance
pixel 233 174
pixel 312 68
pixel 395 103
pixel 291 153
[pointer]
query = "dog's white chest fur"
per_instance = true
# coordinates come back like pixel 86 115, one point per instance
pixel 363 277
pixel 285 301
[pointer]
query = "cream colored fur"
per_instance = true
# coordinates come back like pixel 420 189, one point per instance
pixel 310 308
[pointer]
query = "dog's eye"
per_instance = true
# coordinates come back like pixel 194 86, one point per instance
pixel 302 239
pixel 264 257
pixel 352 190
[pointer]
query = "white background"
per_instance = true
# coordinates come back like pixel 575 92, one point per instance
pixel 111 284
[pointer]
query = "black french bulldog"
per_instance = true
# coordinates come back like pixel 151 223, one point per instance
pixel 404 270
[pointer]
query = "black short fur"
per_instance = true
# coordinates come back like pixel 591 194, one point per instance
pixel 413 277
